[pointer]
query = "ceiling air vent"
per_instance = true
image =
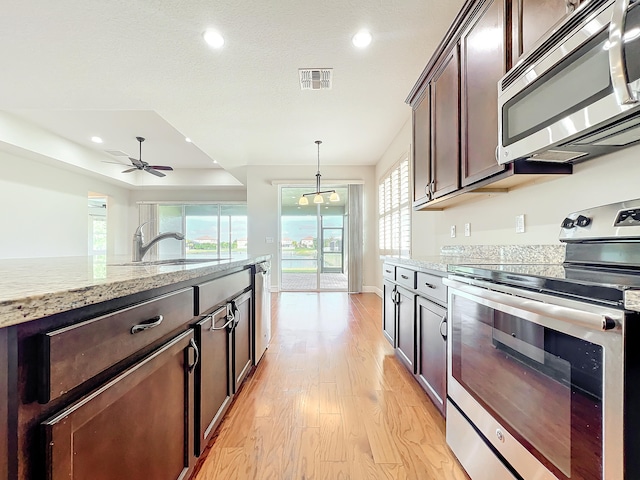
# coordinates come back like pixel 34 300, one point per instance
pixel 316 78
pixel 116 153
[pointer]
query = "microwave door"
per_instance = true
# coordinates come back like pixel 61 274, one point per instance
pixel 565 106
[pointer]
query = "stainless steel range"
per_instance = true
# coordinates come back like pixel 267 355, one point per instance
pixel 544 370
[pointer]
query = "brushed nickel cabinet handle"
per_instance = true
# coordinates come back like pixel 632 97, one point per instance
pixel 192 344
pixel 443 322
pixel 429 285
pixel 405 277
pixel 151 323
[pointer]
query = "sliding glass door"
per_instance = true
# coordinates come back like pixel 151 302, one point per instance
pixel 312 242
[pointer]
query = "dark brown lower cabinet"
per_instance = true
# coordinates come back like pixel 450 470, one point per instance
pixel 406 335
pixel 138 425
pixel 241 334
pixel 389 312
pixel 213 374
pixel 431 365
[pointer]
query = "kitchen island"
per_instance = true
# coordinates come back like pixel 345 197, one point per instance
pixel 101 360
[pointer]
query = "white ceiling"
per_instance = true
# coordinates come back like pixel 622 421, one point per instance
pixel 121 69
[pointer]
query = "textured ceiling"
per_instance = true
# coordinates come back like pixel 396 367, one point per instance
pixel 241 105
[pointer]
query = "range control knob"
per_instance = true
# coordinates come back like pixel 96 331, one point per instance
pixel 568 223
pixel 583 221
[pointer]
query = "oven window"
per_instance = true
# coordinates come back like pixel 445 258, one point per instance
pixel 542 385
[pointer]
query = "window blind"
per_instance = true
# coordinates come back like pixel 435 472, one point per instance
pixel 394 214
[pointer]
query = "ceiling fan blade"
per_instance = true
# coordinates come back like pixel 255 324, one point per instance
pixel 136 162
pixel 154 172
pixel 116 163
pixel 160 167
pixel 130 170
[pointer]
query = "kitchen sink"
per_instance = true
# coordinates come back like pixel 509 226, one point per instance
pixel 170 261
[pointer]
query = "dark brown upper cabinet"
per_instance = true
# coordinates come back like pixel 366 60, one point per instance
pixel 533 18
pixel 483 61
pixel 445 91
pixel 455 104
pixel 422 148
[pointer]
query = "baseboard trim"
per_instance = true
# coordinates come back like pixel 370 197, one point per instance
pixel 371 289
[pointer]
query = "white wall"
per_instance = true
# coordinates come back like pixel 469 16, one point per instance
pixel 544 203
pixel 43 210
pixel 262 204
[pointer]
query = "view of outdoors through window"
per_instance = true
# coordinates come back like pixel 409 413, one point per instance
pixel 312 250
pixel 218 230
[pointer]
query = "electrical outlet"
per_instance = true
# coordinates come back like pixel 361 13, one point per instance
pixel 467 229
pixel 520 223
pixel 268 239
pixel 453 231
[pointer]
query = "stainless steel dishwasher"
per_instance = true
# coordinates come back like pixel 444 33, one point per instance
pixel 262 283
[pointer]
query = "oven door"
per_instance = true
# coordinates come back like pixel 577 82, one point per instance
pixel 540 377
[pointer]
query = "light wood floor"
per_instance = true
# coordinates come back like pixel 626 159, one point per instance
pixel 330 401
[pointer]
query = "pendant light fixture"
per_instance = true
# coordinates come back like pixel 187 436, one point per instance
pixel 317 195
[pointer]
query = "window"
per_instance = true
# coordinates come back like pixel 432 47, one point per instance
pixel 211 229
pixel 394 211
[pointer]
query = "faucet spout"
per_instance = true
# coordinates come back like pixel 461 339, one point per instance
pixel 140 248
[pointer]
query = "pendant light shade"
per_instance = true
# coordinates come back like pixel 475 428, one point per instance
pixel 317 195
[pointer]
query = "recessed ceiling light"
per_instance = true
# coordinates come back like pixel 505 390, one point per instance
pixel 96 139
pixel 187 139
pixel 362 39
pixel 215 161
pixel 213 38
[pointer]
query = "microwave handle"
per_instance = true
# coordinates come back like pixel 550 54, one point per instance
pixel 617 68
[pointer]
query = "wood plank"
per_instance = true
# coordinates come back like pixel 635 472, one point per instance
pixel 329 400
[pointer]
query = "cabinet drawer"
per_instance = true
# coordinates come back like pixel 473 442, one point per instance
pixel 74 354
pixel 406 277
pixel 210 294
pixel 432 286
pixel 389 271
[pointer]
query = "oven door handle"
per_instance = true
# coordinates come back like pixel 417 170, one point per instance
pixel 493 299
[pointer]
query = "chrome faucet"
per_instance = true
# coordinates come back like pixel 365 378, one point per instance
pixel 140 249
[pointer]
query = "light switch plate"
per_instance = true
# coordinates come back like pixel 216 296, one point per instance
pixel 268 239
pixel 453 231
pixel 467 229
pixel 520 223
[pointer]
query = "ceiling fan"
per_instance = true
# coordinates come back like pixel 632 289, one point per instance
pixel 139 164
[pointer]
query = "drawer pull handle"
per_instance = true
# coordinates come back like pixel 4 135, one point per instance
pixel 192 344
pixel 429 285
pixel 214 328
pixel 405 277
pixel 388 271
pixel 152 323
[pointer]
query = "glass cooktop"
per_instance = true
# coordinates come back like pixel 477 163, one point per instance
pixel 590 283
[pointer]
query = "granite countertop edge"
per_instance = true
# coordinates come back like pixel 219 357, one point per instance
pixel 45 297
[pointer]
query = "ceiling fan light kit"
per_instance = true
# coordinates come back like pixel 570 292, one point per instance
pixel 139 164
pixel 317 195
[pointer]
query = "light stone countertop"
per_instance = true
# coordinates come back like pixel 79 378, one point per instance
pixel 32 288
pixel 483 255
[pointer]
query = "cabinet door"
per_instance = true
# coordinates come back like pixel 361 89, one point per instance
pixel 432 351
pixel 389 312
pixel 482 58
pixel 422 148
pixel 445 98
pixel 534 18
pixel 213 374
pixel 406 338
pixel 139 425
pixel 242 360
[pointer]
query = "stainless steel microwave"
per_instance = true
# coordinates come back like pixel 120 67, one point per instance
pixel 576 95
